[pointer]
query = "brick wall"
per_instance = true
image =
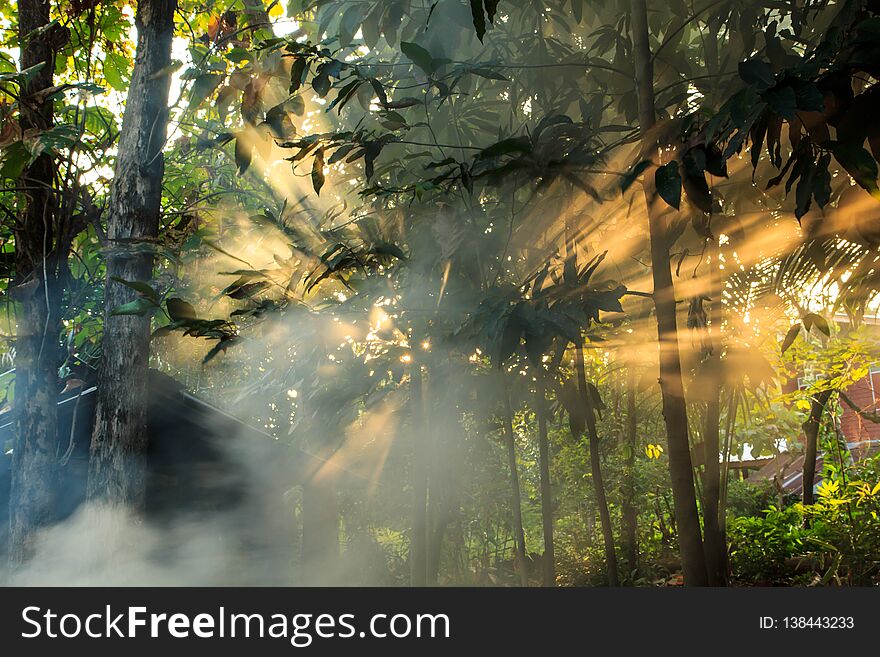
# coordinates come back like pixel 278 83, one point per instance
pixel 865 394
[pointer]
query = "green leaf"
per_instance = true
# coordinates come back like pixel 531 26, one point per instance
pixel 506 146
pixel 489 74
pixel 318 171
pixel 380 91
pixel 180 310
pixel 16 157
pixel 804 192
pixel 222 345
pixel 757 73
pixel 419 56
pixel 697 190
pixel 140 287
pixel 479 18
pixel 668 182
pixel 297 72
pixel 491 9
pixel 203 86
pixel 370 26
pixel 791 336
pixel 340 153
pixel 858 163
pixel 244 151
pixel 812 319
pixel 321 84
pixel 508 341
pixel 595 397
pixel 577 10
pixel 139 307
pixel 630 176
pixel 278 121
pixel 349 24
pixel 388 248
pixel 783 101
pixel 116 70
pixel 403 103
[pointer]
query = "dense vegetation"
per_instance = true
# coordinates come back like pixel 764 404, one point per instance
pixel 527 277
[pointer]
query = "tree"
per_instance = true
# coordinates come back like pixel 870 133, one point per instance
pixel 119 442
pixel 693 560
pixel 41 251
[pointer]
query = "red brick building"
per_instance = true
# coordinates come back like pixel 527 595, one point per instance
pixel 862 435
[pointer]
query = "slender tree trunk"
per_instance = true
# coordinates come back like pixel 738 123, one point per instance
pixel 671 387
pixel 596 470
pixel 549 560
pixel 811 439
pixel 725 468
pixel 35 458
pixel 418 552
pixel 443 432
pixel 715 543
pixel 630 516
pixel 516 496
pixel 119 441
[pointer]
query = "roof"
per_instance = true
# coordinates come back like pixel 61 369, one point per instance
pixel 789 467
pixel 199 457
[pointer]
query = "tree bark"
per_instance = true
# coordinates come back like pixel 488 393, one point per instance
pixel 516 495
pixel 715 542
pixel 418 552
pixel 596 469
pixel 119 441
pixel 549 560
pixel 630 516
pixel 811 440
pixel 671 387
pixel 35 458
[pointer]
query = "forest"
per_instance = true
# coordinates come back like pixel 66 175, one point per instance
pixel 440 292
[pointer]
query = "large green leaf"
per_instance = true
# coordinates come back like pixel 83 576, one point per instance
pixel 668 182
pixel 757 73
pixel 858 163
pixel 419 56
pixel 141 287
pixel 140 306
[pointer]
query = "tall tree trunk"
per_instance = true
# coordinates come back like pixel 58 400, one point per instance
pixel 549 560
pixel 630 516
pixel 725 467
pixel 519 534
pixel 596 469
pixel 35 458
pixel 119 441
pixel 811 439
pixel 418 551
pixel 671 387
pixel 443 433
pixel 715 543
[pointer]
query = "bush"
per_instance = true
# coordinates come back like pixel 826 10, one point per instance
pixel 836 540
pixel 761 546
pixel 745 498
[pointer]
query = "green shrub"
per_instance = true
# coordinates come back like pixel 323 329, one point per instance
pixel 760 545
pixel 837 539
pixel 745 498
